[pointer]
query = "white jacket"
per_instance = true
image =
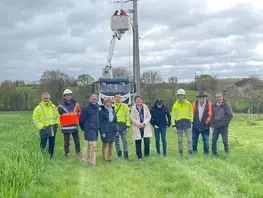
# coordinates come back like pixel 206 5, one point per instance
pixel 135 118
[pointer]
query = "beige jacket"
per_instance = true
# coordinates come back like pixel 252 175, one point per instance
pixel 135 118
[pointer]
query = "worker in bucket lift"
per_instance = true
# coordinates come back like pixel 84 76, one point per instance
pixel 123 13
pixel 115 13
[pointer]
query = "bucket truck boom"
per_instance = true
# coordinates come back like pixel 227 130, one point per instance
pixel 108 86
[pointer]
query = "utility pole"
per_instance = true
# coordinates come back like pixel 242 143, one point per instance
pixel 195 80
pixel 136 52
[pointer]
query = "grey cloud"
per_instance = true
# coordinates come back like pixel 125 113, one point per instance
pixel 239 20
pixel 12 11
pixel 174 13
pixel 74 37
pixel 36 6
pixel 214 48
pixel 63 44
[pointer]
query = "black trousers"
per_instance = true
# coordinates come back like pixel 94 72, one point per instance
pixel 138 144
pixel 51 144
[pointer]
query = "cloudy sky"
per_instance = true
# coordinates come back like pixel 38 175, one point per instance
pixel 219 37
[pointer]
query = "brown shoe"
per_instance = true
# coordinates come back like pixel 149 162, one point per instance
pixel 67 155
pixel 80 156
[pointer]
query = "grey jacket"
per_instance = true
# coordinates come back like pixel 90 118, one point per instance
pixel 222 115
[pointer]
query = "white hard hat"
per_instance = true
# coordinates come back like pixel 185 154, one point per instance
pixel 181 92
pixel 67 91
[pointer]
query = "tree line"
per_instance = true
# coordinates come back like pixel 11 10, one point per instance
pixel 244 94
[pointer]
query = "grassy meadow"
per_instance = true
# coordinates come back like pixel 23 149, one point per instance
pixel 25 172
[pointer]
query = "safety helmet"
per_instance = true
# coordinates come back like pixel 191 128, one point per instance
pixel 181 92
pixel 67 91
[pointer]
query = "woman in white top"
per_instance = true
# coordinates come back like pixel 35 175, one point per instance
pixel 141 127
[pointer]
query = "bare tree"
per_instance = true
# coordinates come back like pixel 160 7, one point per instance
pixel 54 81
pixel 85 80
pixel 84 84
pixel 121 72
pixel 172 81
pixel 149 80
pixel 206 82
pixel 6 89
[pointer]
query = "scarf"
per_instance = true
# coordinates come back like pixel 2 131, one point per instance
pixel 201 110
pixel 141 113
pixel 111 117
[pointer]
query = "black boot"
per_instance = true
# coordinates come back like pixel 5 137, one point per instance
pixel 126 156
pixel 119 154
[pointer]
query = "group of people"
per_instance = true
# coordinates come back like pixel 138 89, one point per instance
pixel 113 119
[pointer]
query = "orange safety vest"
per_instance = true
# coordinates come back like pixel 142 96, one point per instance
pixel 209 111
pixel 70 118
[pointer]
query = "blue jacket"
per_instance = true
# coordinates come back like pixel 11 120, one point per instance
pixel 89 122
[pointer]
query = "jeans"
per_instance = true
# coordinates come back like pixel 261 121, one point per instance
pixel 51 144
pixel 123 134
pixel 188 133
pixel 224 134
pixel 205 135
pixel 162 132
pixel 75 136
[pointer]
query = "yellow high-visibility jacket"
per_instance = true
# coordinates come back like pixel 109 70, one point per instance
pixel 45 114
pixel 182 110
pixel 123 113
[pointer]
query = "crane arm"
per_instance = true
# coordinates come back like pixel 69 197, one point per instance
pixel 107 71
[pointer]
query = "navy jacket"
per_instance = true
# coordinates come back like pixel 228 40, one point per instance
pixel 89 122
pixel 161 117
pixel 106 127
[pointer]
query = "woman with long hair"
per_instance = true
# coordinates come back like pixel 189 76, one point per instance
pixel 161 119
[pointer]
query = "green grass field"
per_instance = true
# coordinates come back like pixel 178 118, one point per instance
pixel 24 172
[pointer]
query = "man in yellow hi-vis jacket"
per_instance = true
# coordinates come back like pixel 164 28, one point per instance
pixel 46 120
pixel 123 125
pixel 182 118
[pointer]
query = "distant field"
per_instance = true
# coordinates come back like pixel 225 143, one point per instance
pixel 24 172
